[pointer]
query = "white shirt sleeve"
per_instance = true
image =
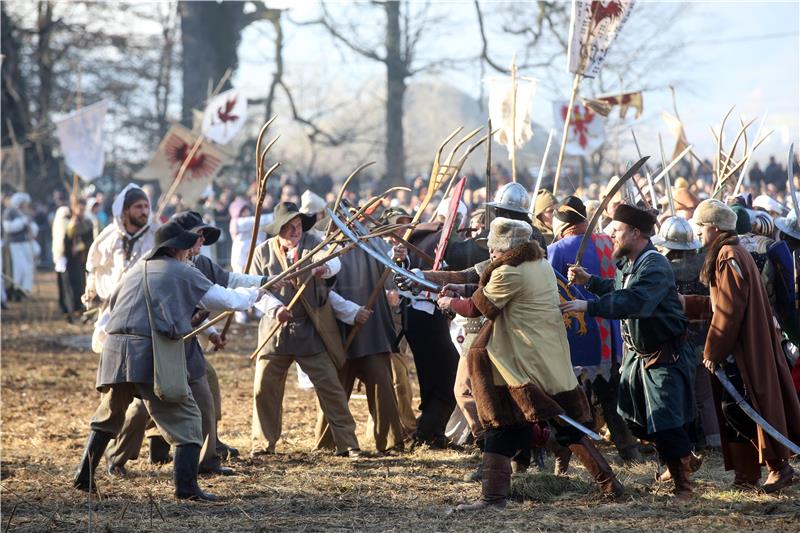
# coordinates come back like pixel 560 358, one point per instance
pixel 269 304
pixel 334 266
pixel 220 299
pixel 237 280
pixel 13 225
pixel 343 309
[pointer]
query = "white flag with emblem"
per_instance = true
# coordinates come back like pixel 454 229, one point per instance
pixel 594 26
pixel 81 136
pixel 587 130
pixel 224 116
pixel 500 110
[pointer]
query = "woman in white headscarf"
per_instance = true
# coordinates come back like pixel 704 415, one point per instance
pixel 21 231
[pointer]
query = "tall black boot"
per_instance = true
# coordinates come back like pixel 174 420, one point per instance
pixel 159 451
pixel 95 446
pixel 186 465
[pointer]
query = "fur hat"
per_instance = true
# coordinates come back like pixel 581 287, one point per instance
pixel 635 217
pixel 680 183
pixel 505 234
pixel 712 212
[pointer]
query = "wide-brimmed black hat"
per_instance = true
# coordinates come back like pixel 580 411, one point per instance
pixel 172 235
pixel 193 221
pixel 571 211
pixel 284 213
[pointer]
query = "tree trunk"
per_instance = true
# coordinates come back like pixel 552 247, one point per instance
pixel 210 35
pixel 396 73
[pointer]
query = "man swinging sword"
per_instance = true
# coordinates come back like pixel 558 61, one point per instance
pixel 656 395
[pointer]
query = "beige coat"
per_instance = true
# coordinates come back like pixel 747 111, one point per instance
pixel 528 342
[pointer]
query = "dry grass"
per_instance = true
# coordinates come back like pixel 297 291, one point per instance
pixel 47 399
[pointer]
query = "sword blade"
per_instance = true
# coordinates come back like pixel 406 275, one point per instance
pixel 571 421
pixel 602 207
pixel 754 416
pixel 381 258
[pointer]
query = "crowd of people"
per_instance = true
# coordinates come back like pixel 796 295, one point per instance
pixel 542 330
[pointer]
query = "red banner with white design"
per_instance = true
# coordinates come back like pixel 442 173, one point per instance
pixel 586 128
pixel 167 161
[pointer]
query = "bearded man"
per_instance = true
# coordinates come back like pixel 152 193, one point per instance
pixel 656 394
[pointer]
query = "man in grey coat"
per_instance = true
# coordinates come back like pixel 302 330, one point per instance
pixel 126 370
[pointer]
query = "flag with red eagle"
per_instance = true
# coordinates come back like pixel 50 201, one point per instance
pixel 594 26
pixel 172 152
pixel 587 130
pixel 224 116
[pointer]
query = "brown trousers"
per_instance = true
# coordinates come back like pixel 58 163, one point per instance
pixel 180 423
pixel 138 422
pixel 402 390
pixel 375 371
pixel 268 388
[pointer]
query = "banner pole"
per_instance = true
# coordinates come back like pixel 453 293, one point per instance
pixel 575 84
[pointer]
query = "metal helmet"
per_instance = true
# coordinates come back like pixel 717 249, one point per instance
pixel 676 234
pixel 789 225
pixel 512 197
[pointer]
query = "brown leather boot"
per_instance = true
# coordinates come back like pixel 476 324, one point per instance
pixel 591 458
pixel 496 483
pixel 680 470
pixel 561 454
pixel 781 475
pixel 695 462
pixel 747 471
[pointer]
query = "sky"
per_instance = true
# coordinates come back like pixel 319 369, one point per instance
pixel 745 54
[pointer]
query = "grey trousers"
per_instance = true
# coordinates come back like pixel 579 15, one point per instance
pixel 180 423
pixel 138 422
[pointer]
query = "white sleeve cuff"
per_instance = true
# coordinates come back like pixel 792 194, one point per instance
pixel 237 280
pixel 268 304
pixel 220 298
pixel 344 310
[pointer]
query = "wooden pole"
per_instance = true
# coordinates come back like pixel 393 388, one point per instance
pixel 514 119
pixel 575 84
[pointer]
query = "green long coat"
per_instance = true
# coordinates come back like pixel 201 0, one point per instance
pixel 645 297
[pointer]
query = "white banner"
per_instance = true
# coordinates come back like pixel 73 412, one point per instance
pixel 81 137
pixel 587 130
pixel 224 116
pixel 500 111
pixel 594 26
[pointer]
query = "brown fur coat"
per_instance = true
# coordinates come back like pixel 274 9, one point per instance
pixel 508 405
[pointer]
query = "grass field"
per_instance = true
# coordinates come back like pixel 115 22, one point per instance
pixel 48 397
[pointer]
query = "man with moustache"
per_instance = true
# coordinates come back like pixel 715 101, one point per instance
pixel 656 394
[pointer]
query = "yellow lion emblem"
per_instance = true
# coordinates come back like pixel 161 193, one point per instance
pixel 570 317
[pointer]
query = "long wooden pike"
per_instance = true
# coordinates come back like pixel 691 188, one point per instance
pixel 730 154
pixel 746 165
pixel 667 178
pixel 294 266
pixel 378 289
pixel 721 184
pixel 261 178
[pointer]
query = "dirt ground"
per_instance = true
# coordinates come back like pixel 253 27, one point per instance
pixel 48 397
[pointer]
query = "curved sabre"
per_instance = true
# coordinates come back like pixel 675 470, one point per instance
pixel 381 258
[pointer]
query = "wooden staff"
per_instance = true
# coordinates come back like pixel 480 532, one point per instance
pixel 575 85
pixel 514 119
pixel 432 185
pixel 262 179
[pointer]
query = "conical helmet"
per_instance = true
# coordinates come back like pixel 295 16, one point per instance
pixel 512 197
pixel 676 234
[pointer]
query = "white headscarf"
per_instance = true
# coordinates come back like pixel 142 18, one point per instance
pixel 19 198
pixel 462 210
